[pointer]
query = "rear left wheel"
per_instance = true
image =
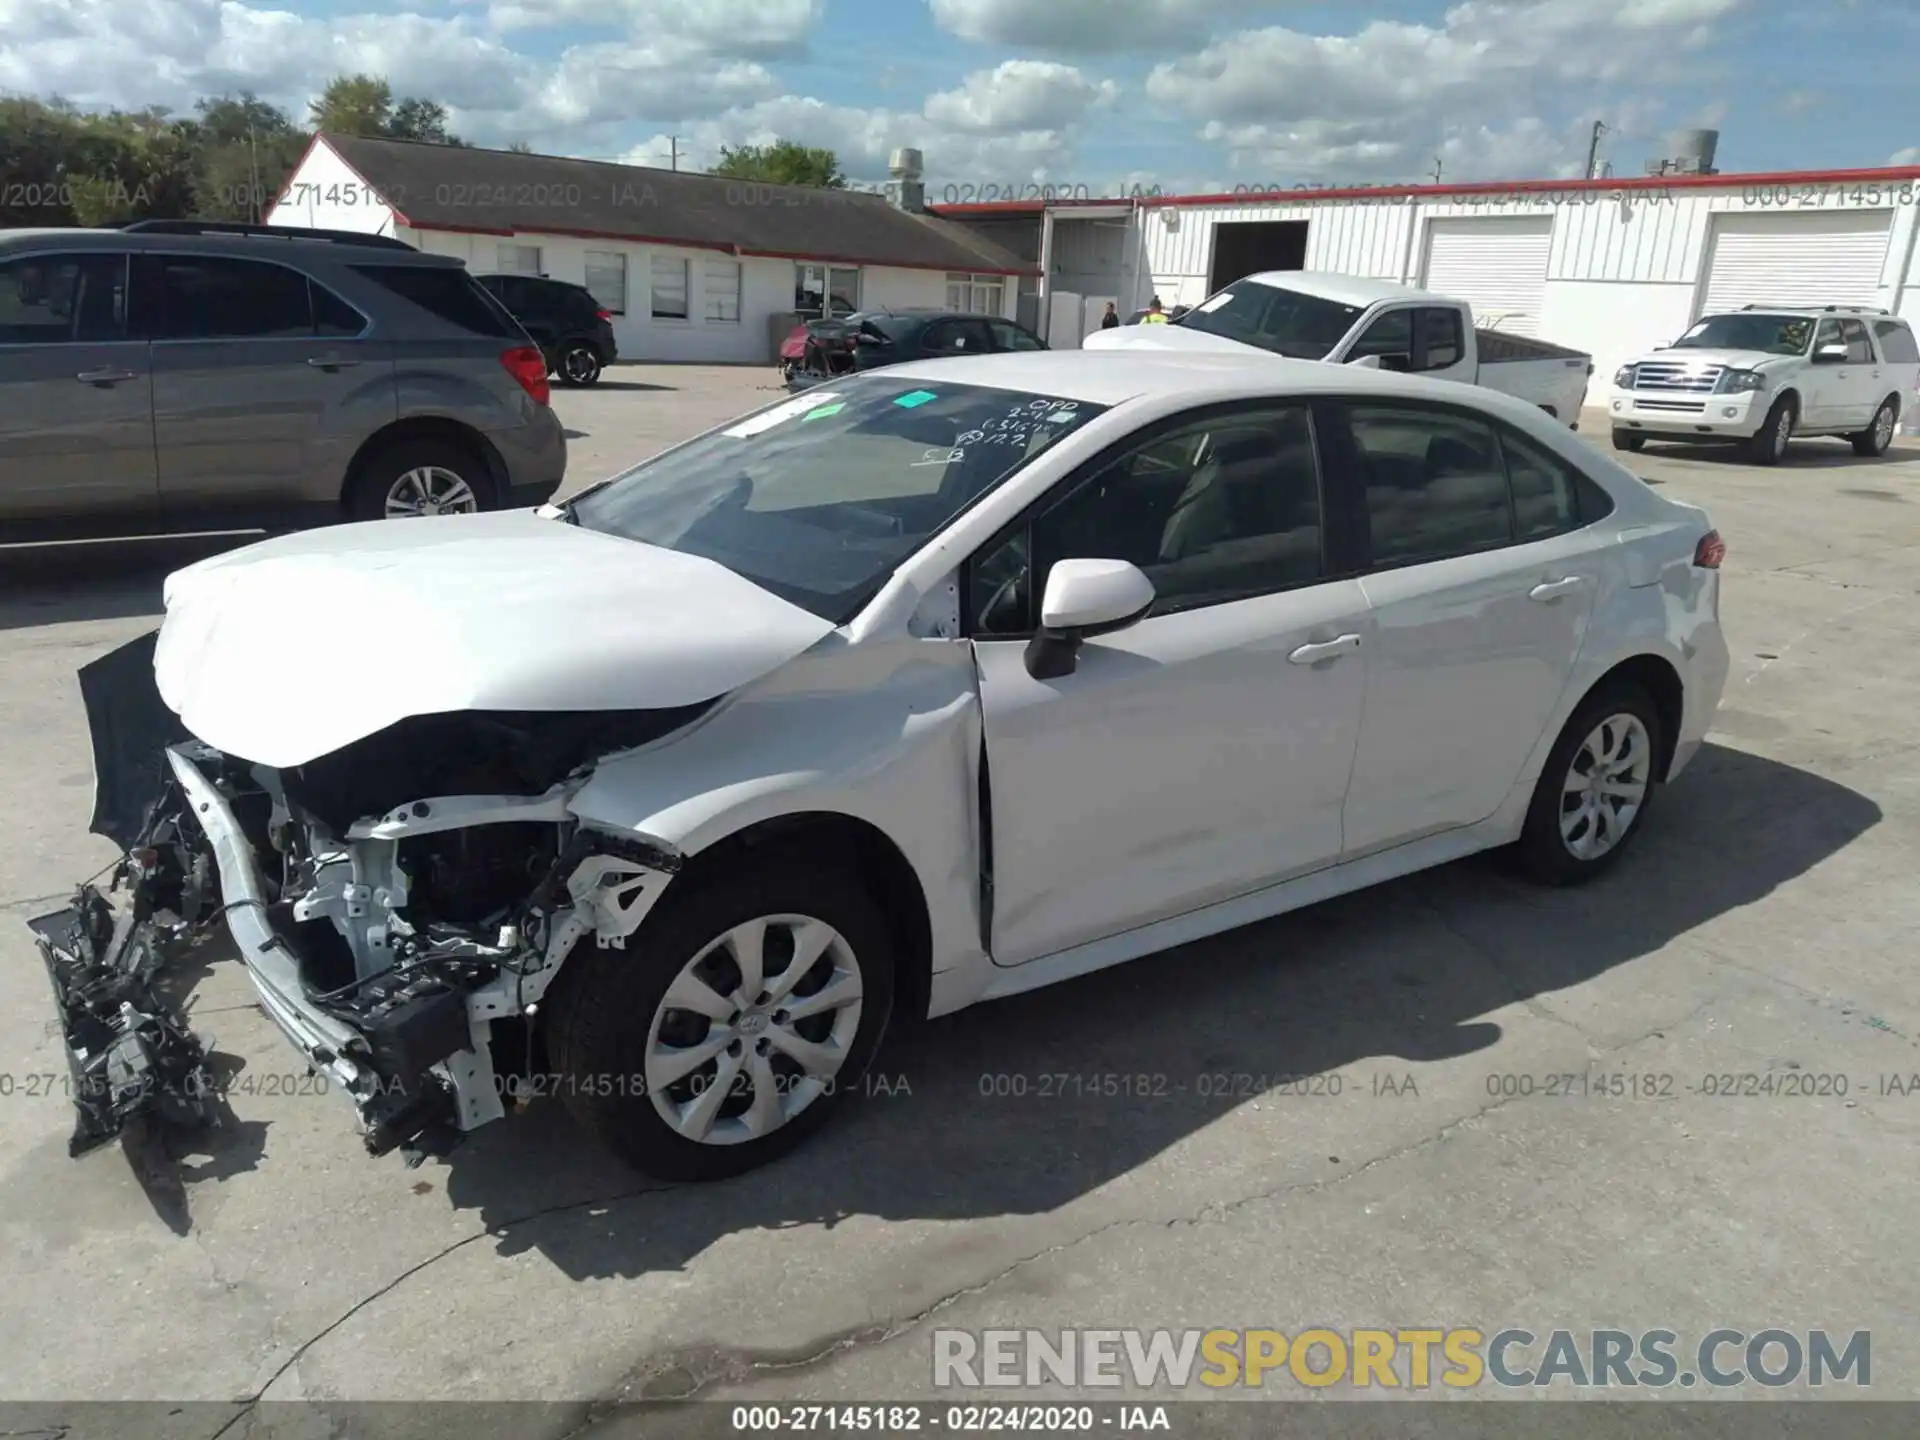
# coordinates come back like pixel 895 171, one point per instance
pixel 1877 438
pixel 1594 790
pixel 740 1015
pixel 578 364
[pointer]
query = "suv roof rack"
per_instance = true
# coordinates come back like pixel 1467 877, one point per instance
pixel 1823 309
pixel 278 232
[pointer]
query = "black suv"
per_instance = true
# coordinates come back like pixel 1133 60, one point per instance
pixel 573 330
pixel 183 374
pixel 892 337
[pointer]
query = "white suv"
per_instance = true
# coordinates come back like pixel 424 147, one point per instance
pixel 1762 376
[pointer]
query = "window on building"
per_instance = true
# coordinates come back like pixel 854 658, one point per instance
pixel 825 290
pixel 517 259
pixel 670 288
pixel 607 279
pixel 722 292
pixel 977 294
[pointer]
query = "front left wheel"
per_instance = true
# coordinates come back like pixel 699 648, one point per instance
pixel 740 1015
pixel 1593 792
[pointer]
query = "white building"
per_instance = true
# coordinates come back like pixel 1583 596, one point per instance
pixel 1611 267
pixel 692 267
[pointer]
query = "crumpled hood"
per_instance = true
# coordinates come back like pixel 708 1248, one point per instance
pixel 1691 355
pixel 1167 337
pixel 290 649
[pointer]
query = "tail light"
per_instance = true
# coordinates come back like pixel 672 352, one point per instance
pixel 1710 551
pixel 527 365
pixel 603 314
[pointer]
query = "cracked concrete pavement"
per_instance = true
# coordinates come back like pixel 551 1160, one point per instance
pixel 1421 1175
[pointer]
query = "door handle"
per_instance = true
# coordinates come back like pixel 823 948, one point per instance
pixel 331 362
pixel 1326 650
pixel 1554 589
pixel 104 377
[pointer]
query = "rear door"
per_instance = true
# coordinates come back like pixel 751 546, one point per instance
pixel 76 399
pixel 1899 362
pixel 1827 384
pixel 264 382
pixel 1481 582
pixel 1865 384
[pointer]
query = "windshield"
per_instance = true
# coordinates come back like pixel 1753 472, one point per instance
pixel 1773 334
pixel 1303 327
pixel 820 497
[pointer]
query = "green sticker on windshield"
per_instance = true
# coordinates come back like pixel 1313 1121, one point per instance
pixel 915 397
pixel 824 411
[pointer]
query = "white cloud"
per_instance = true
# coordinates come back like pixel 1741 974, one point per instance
pixel 1908 156
pixel 1088 27
pixel 744 29
pixel 1381 104
pixel 1020 95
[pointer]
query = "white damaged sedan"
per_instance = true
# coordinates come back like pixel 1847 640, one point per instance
pixel 933 685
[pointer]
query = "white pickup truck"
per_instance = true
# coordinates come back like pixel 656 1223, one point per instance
pixel 1762 375
pixel 1313 315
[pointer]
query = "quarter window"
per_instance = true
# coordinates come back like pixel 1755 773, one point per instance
pixel 1215 511
pixel 1896 342
pixel 1434 484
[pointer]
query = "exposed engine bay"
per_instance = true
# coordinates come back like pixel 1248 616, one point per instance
pixel 401 905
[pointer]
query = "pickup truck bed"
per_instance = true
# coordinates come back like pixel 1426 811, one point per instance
pixel 1498 346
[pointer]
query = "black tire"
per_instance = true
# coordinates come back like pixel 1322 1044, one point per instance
pixel 1877 438
pixel 578 364
pixel 606 1002
pixel 1628 440
pixel 1542 850
pixel 380 476
pixel 1768 444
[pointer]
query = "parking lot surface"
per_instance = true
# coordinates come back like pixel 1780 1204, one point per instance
pixel 1437 1174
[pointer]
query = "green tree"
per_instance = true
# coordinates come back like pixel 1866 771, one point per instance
pixel 244 151
pixel 36 148
pixel 785 162
pixel 365 105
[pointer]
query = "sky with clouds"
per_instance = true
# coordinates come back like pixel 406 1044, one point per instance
pixel 1184 94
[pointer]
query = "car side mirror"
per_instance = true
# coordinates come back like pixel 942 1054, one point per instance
pixel 1830 355
pixel 1084 598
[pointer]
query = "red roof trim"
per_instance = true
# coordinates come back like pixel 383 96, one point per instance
pixel 720 249
pixel 1791 178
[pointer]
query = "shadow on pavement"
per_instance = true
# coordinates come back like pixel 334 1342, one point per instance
pixel 98 579
pixel 1405 971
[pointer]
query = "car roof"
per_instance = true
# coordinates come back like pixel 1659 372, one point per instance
pixel 1346 289
pixel 309 245
pixel 1110 377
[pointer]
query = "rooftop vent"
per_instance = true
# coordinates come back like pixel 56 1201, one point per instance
pixel 1690 152
pixel 906 188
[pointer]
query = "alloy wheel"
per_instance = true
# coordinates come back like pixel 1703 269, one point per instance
pixel 754 1029
pixel 1782 432
pixel 579 365
pixel 430 490
pixel 1605 787
pixel 1883 428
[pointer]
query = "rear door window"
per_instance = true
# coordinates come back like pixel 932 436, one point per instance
pixel 1434 482
pixel 1859 347
pixel 217 297
pixel 63 299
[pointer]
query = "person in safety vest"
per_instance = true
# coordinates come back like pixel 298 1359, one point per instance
pixel 1155 315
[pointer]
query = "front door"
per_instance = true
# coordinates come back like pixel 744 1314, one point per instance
pixel 264 384
pixel 1203 752
pixel 1480 588
pixel 76 398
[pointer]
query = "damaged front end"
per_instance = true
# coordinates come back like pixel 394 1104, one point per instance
pixel 401 905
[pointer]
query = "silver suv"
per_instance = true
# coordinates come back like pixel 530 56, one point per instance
pixel 181 374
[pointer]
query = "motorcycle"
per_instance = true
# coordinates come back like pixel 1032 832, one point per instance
pixel 817 350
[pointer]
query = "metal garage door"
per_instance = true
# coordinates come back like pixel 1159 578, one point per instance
pixel 1828 259
pixel 1497 266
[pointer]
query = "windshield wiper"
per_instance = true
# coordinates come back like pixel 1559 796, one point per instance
pixel 566 507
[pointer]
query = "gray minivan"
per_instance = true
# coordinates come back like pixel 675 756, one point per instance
pixel 183 374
